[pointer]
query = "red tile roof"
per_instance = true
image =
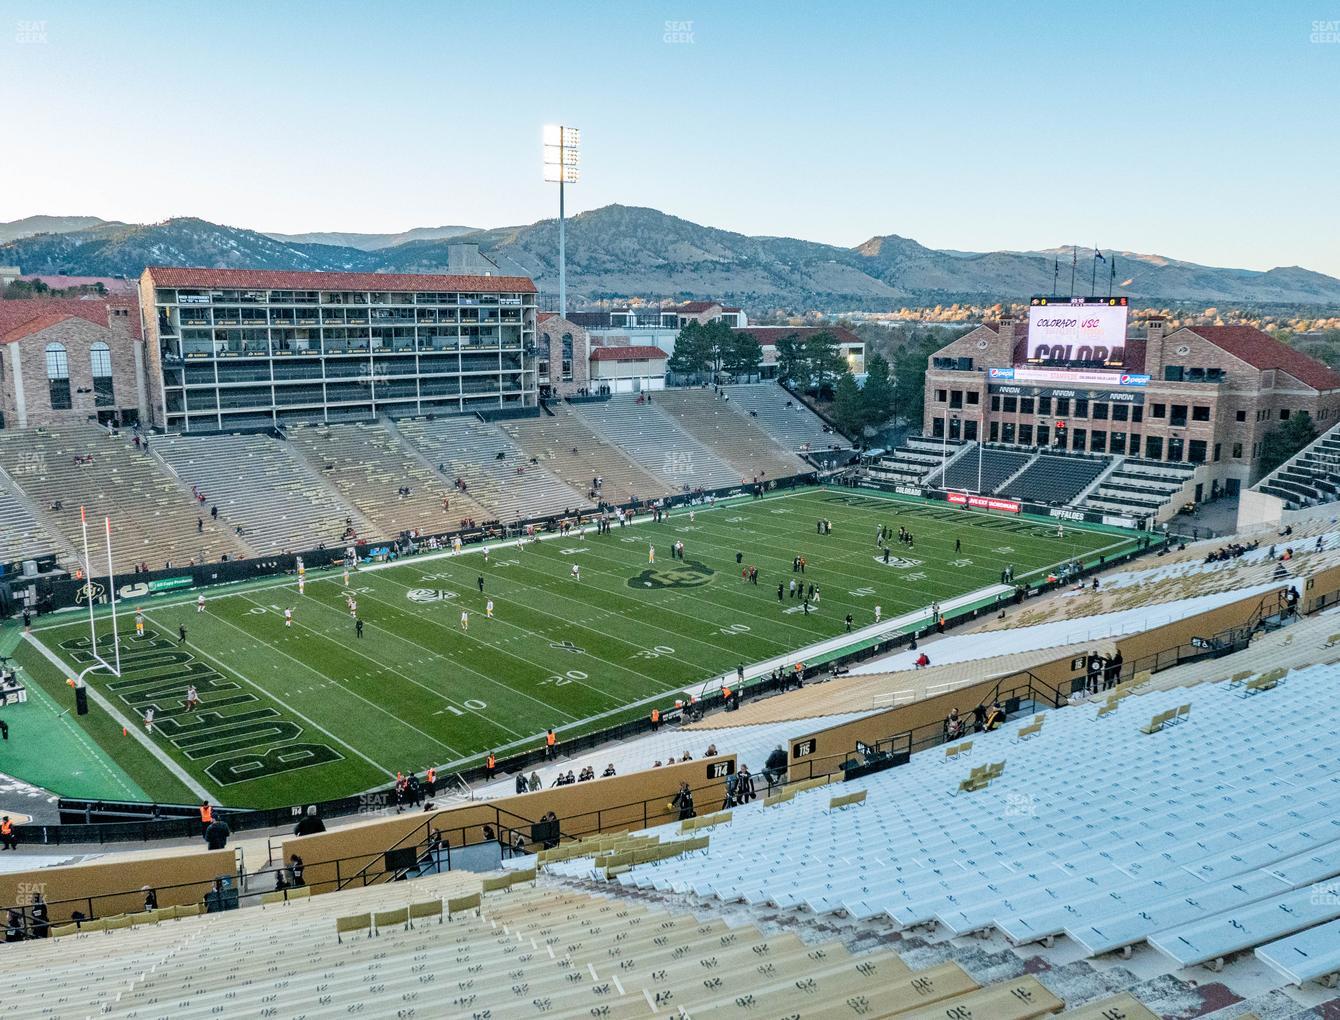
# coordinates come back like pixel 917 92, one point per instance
pixel 767 336
pixel 1261 350
pixel 627 354
pixel 273 279
pixel 19 319
pixel 545 316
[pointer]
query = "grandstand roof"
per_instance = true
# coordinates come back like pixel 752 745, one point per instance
pixel 767 336
pixel 1261 350
pixel 270 279
pixel 627 353
pixel 19 319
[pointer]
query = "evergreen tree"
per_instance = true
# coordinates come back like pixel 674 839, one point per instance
pixel 745 356
pixel 878 392
pixel 848 406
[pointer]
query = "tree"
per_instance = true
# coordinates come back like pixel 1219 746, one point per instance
pixel 878 393
pixel 744 357
pixel 1282 443
pixel 909 376
pixel 692 354
pixel 848 408
pixel 719 341
pixel 791 361
pixel 825 362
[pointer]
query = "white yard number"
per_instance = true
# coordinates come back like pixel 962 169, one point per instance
pixel 653 653
pixel 734 628
pixel 558 680
pixel 473 704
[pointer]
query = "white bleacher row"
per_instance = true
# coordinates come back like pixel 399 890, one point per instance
pixel 153 515
pixel 1305 552
pixel 1214 846
pixel 784 417
pixel 652 438
pixel 735 438
pixel 511 486
pixel 258 486
pixel 750 744
pixel 22 537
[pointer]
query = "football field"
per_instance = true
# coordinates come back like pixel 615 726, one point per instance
pixel 312 710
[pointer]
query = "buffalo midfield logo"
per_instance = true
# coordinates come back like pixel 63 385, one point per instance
pixel 566 646
pixel 686 574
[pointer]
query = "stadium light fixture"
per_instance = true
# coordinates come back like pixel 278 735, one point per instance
pixel 562 155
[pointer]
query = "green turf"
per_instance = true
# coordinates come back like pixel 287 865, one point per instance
pixel 339 714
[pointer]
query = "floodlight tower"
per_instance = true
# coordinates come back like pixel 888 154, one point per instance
pixel 561 156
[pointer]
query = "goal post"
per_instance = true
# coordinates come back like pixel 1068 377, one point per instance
pixel 89 595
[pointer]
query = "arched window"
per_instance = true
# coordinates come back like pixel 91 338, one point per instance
pixel 100 355
pixel 542 355
pixel 567 357
pixel 58 377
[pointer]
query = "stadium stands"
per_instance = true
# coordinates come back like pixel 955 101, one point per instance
pixel 1055 479
pixel 1139 487
pixel 785 417
pixel 21 534
pixel 567 448
pixel 260 487
pixel 369 465
pixel 997 465
pixel 496 472
pixel 1172 860
pixel 1311 477
pixel 737 439
pixel 651 437
pixel 912 462
pixel 505 945
pixel 154 516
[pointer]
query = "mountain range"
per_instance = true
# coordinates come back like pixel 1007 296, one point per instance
pixel 618 252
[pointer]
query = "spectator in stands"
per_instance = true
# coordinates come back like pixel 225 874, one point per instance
pixel 953 725
pixel 535 783
pixel 150 897
pixel 995 717
pixel 979 718
pixel 216 834
pixel 281 880
pixel 744 785
pixel 609 771
pixel 521 782
pixel 14 925
pixel 518 844
pixel 775 766
pixel 711 751
pixel 309 823
pixel 923 660
pixel 295 870
pixel 683 802
pixel 40 925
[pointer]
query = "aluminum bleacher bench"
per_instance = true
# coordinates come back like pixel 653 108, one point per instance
pixel 1309 955
pixel 1212 939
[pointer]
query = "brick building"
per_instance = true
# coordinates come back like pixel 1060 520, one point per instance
pixel 851 346
pixel 72 359
pixel 562 355
pixel 1200 395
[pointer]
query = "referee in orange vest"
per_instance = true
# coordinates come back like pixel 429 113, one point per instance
pixel 490 764
pixel 7 838
pixel 655 719
pixel 550 745
pixel 430 780
pixel 206 815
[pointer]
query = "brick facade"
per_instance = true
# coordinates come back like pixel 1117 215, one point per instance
pixel 550 330
pixel 1213 395
pixel 26 391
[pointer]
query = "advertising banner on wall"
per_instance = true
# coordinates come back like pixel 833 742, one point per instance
pixel 1008 506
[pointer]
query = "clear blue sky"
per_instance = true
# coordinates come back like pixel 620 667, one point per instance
pixel 1201 131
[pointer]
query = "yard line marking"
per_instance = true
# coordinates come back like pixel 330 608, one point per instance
pixel 300 715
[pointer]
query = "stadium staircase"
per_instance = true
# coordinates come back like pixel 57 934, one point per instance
pixel 1310 477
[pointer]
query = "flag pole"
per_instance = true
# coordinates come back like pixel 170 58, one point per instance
pixel 1112 275
pixel 1074 256
pixel 1093 276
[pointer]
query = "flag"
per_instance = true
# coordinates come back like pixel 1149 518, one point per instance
pixel 1098 255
